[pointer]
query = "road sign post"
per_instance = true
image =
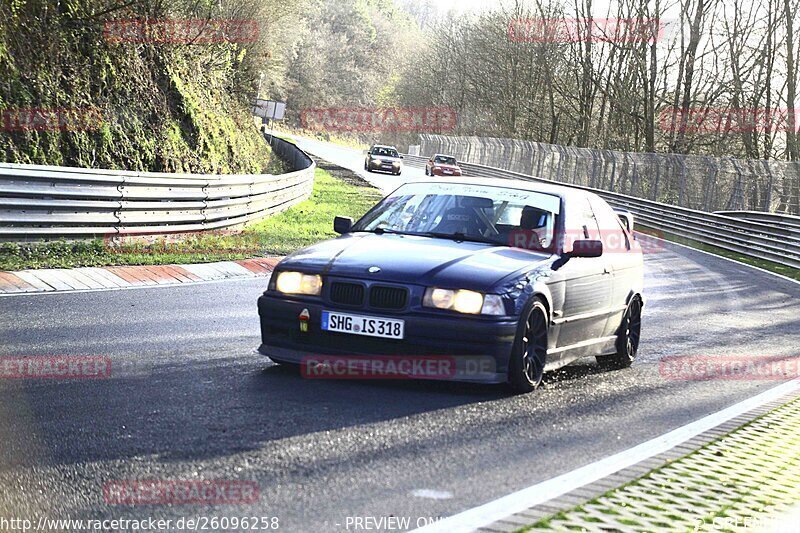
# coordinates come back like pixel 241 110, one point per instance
pixel 269 111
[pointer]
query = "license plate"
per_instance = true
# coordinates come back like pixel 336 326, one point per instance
pixel 369 326
pixel 387 166
pixel 448 171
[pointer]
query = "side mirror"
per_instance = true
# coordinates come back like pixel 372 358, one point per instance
pixel 587 248
pixel 401 157
pixel 342 225
pixel 627 219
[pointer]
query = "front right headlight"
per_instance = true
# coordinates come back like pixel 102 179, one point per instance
pixel 464 301
pixel 298 283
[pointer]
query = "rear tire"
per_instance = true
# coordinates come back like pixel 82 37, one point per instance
pixel 529 354
pixel 628 337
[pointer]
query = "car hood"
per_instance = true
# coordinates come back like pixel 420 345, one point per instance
pixel 417 260
pixel 451 167
pixel 385 158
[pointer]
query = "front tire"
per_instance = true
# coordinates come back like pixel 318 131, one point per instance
pixel 528 357
pixel 628 337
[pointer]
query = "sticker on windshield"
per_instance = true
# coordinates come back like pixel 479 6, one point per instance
pixel 545 201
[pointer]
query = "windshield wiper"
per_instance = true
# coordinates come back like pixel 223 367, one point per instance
pixel 382 231
pixel 460 237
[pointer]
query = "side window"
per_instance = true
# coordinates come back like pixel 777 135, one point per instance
pixel 579 222
pixel 614 236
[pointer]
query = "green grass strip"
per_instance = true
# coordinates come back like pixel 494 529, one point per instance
pixel 686 495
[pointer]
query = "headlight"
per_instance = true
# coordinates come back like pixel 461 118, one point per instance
pixel 464 301
pixel 299 283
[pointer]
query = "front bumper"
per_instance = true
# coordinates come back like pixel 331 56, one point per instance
pixel 441 172
pixel 386 167
pixel 465 339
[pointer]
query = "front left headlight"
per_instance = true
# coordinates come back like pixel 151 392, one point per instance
pixel 299 283
pixel 464 301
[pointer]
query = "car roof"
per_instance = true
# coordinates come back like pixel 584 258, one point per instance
pixel 382 146
pixel 563 191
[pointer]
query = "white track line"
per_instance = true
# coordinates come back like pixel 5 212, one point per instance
pixel 540 493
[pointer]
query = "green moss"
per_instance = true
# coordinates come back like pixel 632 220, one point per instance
pixel 165 108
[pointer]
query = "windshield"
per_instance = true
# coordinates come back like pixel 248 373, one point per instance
pixel 496 215
pixel 445 160
pixel 385 152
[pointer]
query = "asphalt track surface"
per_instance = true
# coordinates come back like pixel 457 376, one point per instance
pixel 188 398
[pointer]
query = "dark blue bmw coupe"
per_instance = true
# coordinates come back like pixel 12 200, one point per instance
pixel 524 275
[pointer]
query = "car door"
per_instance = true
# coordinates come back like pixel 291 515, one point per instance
pixel 619 255
pixel 588 282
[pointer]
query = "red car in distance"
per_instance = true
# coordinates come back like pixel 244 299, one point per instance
pixel 442 165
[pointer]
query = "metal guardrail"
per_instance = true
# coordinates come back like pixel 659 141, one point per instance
pixel 790 222
pixel 44 202
pixel 758 239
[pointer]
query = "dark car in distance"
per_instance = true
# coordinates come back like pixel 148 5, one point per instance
pixel 383 158
pixel 442 165
pixel 525 275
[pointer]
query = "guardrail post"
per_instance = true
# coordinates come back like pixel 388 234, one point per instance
pixel 594 169
pixel 735 200
pixel 711 184
pixel 613 157
pixel 658 177
pixel 682 184
pixel 634 176
pixel 767 207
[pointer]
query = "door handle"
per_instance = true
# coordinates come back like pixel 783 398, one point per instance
pixel 607 270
